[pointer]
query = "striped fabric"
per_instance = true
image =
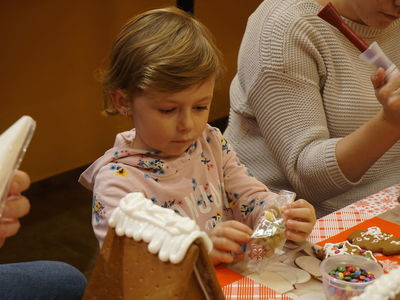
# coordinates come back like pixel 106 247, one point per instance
pixel 246 288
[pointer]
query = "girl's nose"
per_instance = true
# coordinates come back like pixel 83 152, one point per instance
pixel 186 122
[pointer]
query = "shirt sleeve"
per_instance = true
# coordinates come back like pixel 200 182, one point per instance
pixel 112 183
pixel 247 196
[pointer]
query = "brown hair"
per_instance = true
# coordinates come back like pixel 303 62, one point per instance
pixel 165 50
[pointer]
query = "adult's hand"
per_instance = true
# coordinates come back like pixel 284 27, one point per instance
pixel 15 206
pixel 388 94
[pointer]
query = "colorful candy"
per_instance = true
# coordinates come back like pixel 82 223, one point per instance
pixel 352 274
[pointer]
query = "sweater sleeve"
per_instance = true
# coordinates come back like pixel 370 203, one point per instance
pixel 287 102
pixel 247 196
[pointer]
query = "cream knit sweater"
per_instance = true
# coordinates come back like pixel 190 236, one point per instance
pixel 301 87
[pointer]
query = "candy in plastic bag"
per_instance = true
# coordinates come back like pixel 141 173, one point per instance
pixel 269 237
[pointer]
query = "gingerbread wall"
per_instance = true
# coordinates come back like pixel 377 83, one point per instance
pixel 49 52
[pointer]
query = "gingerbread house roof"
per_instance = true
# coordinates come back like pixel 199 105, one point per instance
pixel 151 252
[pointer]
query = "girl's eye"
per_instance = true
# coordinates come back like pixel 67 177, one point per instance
pixel 205 107
pixel 166 111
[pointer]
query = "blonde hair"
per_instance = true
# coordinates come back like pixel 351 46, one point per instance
pixel 165 50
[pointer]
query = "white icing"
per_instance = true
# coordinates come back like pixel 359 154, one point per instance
pixel 346 248
pixel 385 287
pixel 332 249
pixel 166 232
pixel 376 233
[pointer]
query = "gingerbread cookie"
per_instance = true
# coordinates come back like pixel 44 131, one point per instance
pixel 376 240
pixel 330 249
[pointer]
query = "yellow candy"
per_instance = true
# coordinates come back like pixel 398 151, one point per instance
pixel 269 215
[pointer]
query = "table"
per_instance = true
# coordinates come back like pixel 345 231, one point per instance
pixel 377 209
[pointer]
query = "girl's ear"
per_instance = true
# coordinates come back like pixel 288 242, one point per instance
pixel 121 102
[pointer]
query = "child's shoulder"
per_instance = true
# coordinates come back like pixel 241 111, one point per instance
pixel 214 138
pixel 124 138
pixel 212 131
pixel 212 134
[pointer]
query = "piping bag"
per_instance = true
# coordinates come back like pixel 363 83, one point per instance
pixel 372 54
pixel 13 145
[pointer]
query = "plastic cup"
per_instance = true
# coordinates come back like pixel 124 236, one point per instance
pixel 338 289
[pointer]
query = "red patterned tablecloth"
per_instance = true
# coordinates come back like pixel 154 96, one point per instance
pixel 355 213
pixel 235 286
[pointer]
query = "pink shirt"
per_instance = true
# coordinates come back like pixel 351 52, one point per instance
pixel 207 183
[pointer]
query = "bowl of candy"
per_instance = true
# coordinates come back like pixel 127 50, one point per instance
pixel 346 276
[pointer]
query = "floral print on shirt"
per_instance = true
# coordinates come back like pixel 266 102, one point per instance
pixel 233 198
pixel 154 165
pixel 247 209
pixel 170 204
pixel 225 145
pixel 120 154
pixel 119 171
pixel 98 209
pixel 206 161
pixel 216 219
pixel 194 184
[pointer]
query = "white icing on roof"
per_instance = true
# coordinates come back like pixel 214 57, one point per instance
pixel 385 287
pixel 166 232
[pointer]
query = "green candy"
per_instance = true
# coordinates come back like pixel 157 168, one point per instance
pixel 341 269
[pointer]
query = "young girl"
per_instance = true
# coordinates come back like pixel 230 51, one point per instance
pixel 162 72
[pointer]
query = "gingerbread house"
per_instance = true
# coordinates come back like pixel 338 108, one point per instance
pixel 150 252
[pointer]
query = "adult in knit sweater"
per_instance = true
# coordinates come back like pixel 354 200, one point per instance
pixel 304 114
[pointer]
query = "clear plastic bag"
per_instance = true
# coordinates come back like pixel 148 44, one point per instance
pixel 269 237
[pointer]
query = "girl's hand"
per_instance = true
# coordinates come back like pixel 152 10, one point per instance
pixel 300 219
pixel 15 206
pixel 388 94
pixel 226 238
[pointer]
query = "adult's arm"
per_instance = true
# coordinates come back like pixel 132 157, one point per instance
pixel 358 151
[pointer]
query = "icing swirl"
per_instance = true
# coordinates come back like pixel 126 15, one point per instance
pixel 166 232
